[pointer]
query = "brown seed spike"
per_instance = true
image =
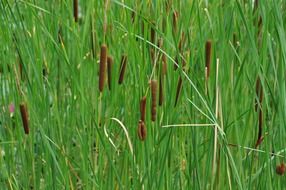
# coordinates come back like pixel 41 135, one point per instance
pixel 164 64
pixel 122 68
pixel 280 169
pixel 143 108
pixel 24 116
pixel 102 66
pixel 153 99
pixel 175 21
pixel 208 49
pixel 109 70
pixel 75 10
pixel 179 88
pixel 153 34
pixel 142 131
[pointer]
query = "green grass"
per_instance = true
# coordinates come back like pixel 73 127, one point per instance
pixel 83 139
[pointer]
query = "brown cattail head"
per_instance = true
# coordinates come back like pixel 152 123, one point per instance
pixel 175 21
pixel 142 131
pixel 143 108
pixel 161 91
pixel 102 66
pixel 75 10
pixel 164 64
pixel 24 116
pixel 208 49
pixel 280 169
pixel 153 99
pixel 179 88
pixel 182 41
pixel 109 70
pixel 122 68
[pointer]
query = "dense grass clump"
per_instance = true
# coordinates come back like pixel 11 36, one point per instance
pixel 138 94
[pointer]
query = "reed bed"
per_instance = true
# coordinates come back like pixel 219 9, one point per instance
pixel 159 126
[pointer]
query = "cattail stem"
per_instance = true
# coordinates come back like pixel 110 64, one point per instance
pixel 208 49
pixel 179 88
pixel 259 94
pixel 122 68
pixel 258 107
pixel 102 66
pixel 161 93
pixel 75 10
pixel 92 39
pixel 109 70
pixel 143 108
pixel 24 116
pixel 153 99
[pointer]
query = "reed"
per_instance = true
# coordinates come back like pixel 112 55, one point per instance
pixel 153 99
pixel 161 93
pixel 280 169
pixel 75 10
pixel 122 68
pixel 141 131
pixel 258 107
pixel 152 34
pixel 175 21
pixel 102 66
pixel 164 64
pixel 143 108
pixel 109 71
pixel 208 51
pixel 179 88
pixel 24 116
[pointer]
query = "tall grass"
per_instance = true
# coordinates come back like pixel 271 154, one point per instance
pixel 220 134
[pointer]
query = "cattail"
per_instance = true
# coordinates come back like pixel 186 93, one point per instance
pixel 175 21
pixel 153 34
pixel 259 94
pixel 109 70
pixel 161 93
pixel 133 14
pixel 142 131
pixel 182 41
pixel 75 10
pixel 179 88
pixel 122 68
pixel 24 115
pixel 280 169
pixel 176 63
pixel 153 99
pixel 208 49
pixel 143 108
pixel 102 66
pixel 152 54
pixel 164 64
